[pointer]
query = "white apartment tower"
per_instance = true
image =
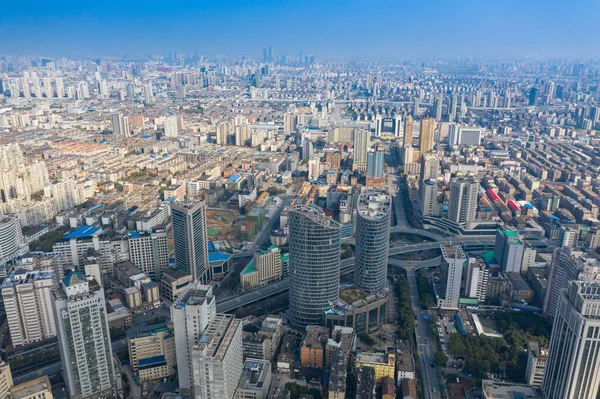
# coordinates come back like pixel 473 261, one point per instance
pixel 149 252
pixel 454 259
pixel 218 359
pixel 27 297
pixel 83 338
pixel 191 313
pixel 171 126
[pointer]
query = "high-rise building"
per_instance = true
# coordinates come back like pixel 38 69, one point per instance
pixel 452 109
pixel 307 147
pixel 242 134
pixel 567 265
pixel 190 239
pixel 388 126
pixel 149 252
pixel 83 338
pixel 265 268
pixel 408 130
pixel 171 126
pixel 290 122
pixel 536 364
pixel 428 189
pixel 568 237
pixel 533 96
pixel 463 200
pixel 508 250
pixel 453 260
pixel 217 359
pixel 11 237
pixel 120 125
pixel 191 313
pixel 6 381
pixel 573 366
pixel 469 136
pixel 314 263
pixel 426 135
pixel 28 304
pixel 375 162
pixel 372 240
pixel 476 280
pixel 360 147
pixel 224 129
pixel 437 108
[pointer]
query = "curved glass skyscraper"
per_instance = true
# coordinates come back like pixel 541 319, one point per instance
pixel 314 264
pixel 372 240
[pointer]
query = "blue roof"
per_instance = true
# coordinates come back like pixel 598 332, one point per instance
pixel 73 278
pixel 171 199
pixel 83 231
pixel 234 178
pixel 211 247
pixel 218 256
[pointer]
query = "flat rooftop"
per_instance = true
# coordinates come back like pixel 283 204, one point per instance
pixel 83 232
pixel 30 388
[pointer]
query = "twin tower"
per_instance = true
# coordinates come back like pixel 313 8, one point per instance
pixel 314 248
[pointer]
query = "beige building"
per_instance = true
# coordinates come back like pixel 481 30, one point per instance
pixel 152 352
pixel 6 381
pixel 173 283
pixel 40 388
pixel 266 267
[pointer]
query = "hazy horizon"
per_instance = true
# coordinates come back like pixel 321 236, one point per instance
pixel 378 30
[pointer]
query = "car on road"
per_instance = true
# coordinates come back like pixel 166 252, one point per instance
pixel 432 365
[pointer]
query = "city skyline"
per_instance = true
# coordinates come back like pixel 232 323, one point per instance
pixel 505 30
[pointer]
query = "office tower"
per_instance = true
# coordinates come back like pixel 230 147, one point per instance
pixel 430 169
pixel 314 263
pixel 171 126
pixel 508 250
pixel 533 96
pixel 568 237
pixel 375 163
pixel 223 131
pixel 536 364
pixel 437 108
pixel 567 265
pixel 426 135
pixel 130 91
pixel 290 122
pixel 191 313
pixel 453 134
pixel 120 125
pixel 180 94
pixel 83 338
pixel 388 126
pixel 218 359
pixel 360 146
pixel 408 130
pixel 573 366
pixel 463 200
pixel 452 109
pixel 372 240
pixel 453 259
pixel 307 147
pixel 242 134
pixel 476 280
pixel 6 381
pixel 11 237
pixel 190 239
pixel 149 252
pixel 314 171
pixel 28 305
pixel 469 136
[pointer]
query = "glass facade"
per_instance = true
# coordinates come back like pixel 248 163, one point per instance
pixel 314 264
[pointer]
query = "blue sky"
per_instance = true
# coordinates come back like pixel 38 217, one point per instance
pixel 506 29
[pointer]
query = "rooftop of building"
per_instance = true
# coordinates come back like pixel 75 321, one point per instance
pixel 316 337
pixel 219 334
pixel 316 214
pixel 374 357
pixel 23 276
pixel 450 252
pixel 250 268
pixel 374 204
pixel 254 374
pixel 173 274
pixel 194 295
pixel 73 278
pixel 31 388
pixel 83 232
pixel 509 233
pixel 506 390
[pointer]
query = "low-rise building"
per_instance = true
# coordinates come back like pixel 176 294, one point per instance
pixel 312 350
pixel 173 283
pixel 255 381
pixel 266 267
pixel 507 390
pixel 384 364
pixel 152 352
pixel 536 364
pixel 35 389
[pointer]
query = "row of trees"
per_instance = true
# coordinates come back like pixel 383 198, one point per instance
pixel 426 293
pixel 406 316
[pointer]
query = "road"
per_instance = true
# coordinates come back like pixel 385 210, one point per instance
pixel 425 347
pixel 264 234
